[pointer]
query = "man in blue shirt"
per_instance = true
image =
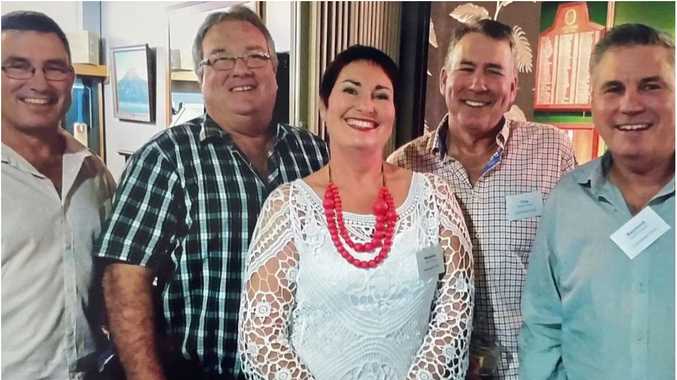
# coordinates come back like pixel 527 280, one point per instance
pixel 600 294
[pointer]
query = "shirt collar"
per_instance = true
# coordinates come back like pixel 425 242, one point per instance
pixel 438 144
pixel 74 151
pixel 595 175
pixel 210 129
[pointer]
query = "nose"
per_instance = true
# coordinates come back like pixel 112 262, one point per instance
pixel 241 67
pixel 631 102
pixel 477 82
pixel 38 81
pixel 367 105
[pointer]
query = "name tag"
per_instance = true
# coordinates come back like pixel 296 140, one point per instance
pixel 639 232
pixel 430 262
pixel 524 205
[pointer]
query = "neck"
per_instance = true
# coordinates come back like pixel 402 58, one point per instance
pixel 467 140
pixel 250 135
pixel 356 170
pixel 37 147
pixel 640 181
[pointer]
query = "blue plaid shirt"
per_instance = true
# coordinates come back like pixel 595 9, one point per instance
pixel 189 200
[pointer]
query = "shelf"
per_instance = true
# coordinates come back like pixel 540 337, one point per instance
pixel 186 76
pixel 89 70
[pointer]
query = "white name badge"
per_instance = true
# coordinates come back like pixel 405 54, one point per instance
pixel 524 205
pixel 430 262
pixel 639 232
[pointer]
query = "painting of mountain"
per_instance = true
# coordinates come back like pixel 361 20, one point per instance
pixel 133 74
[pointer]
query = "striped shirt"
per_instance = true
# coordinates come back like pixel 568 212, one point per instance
pixel 530 157
pixel 188 201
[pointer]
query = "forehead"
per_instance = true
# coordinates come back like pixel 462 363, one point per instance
pixel 233 36
pixel 366 72
pixel 32 45
pixel 478 48
pixel 632 63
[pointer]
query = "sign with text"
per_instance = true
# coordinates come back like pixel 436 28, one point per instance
pixel 564 50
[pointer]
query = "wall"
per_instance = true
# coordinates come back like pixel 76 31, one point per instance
pixel 68 14
pixel 124 24
pixel 524 14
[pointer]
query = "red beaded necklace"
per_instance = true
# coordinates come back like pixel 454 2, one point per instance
pixel 386 218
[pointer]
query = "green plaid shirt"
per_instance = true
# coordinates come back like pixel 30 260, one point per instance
pixel 189 200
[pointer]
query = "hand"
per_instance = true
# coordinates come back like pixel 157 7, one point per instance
pixel 473 369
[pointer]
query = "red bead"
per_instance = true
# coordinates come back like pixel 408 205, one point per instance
pixel 380 207
pixel 386 216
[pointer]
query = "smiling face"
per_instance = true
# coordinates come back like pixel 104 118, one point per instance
pixel 479 82
pixel 240 93
pixel 633 102
pixel 361 109
pixel 31 105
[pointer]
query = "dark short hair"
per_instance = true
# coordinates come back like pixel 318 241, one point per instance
pixel 36 22
pixel 490 28
pixel 352 54
pixel 626 35
pixel 235 13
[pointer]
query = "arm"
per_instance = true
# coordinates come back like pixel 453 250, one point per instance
pixel 129 303
pixel 539 341
pixel 140 232
pixel 268 296
pixel 444 352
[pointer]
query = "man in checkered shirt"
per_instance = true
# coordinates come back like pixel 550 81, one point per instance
pixel 501 171
pixel 187 206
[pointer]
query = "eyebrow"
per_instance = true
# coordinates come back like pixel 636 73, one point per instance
pixel 247 48
pixel 358 84
pixel 654 78
pixel 14 58
pixel 489 65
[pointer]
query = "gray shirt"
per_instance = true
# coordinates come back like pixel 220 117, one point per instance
pixel 47 242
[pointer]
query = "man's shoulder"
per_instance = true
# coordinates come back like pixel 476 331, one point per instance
pixel 535 130
pixel 165 141
pixel 576 181
pixel 416 149
pixel 302 134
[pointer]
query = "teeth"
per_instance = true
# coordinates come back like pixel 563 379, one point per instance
pixel 36 100
pixel 361 124
pixel 472 103
pixel 242 88
pixel 632 127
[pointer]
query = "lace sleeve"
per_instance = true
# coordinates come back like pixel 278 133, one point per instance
pixel 444 352
pixel 268 296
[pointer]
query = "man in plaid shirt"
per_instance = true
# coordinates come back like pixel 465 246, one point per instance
pixel 187 205
pixel 501 170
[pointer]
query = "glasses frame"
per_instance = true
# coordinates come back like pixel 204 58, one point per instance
pixel 70 73
pixel 244 57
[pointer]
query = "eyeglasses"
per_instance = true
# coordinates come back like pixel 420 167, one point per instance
pixel 25 71
pixel 252 60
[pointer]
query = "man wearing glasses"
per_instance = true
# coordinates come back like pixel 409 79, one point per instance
pixel 187 205
pixel 55 197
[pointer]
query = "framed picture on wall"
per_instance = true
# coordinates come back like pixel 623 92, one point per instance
pixel 133 78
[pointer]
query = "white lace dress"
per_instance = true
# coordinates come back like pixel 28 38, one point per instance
pixel 307 313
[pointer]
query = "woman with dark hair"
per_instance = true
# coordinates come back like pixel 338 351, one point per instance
pixel 361 270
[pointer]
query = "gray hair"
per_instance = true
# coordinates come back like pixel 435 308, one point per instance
pixel 235 13
pixel 490 28
pixel 626 35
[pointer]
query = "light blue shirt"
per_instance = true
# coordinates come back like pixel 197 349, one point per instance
pixel 589 311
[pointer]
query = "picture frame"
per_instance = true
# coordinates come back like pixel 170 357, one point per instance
pixel 133 79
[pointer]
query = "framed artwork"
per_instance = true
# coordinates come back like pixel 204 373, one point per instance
pixel 134 83
pixel 564 51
